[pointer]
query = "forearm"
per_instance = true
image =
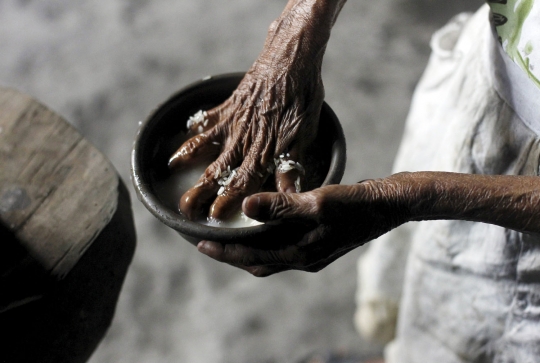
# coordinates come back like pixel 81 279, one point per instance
pixel 298 37
pixel 329 8
pixel 508 201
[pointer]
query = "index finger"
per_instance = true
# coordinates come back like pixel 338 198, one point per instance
pixel 245 256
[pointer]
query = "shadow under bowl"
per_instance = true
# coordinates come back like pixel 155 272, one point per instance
pixel 153 147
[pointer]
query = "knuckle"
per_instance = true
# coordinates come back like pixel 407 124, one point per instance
pixel 259 271
pixel 247 261
pixel 279 205
pixel 213 132
pixel 207 179
pixel 318 203
pixel 250 178
pixel 194 144
pixel 273 26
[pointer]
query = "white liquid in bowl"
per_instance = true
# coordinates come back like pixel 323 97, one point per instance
pixel 170 190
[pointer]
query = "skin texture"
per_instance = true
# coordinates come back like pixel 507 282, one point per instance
pixel 344 217
pixel 274 110
pixel 340 218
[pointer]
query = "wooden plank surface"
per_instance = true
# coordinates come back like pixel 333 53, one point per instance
pixel 57 191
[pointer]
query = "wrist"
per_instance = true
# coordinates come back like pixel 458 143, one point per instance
pixel 504 200
pixel 422 195
pixel 322 12
pixel 298 37
pixel 417 196
pixel 391 195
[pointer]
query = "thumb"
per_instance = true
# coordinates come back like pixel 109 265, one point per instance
pixel 267 207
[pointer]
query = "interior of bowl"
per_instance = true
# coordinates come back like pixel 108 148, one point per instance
pixel 155 144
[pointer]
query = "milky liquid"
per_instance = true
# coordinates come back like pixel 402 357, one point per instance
pixel 171 189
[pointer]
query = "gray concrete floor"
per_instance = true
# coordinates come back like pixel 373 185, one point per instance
pixel 105 64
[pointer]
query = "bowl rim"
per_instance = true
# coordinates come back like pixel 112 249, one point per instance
pixel 179 222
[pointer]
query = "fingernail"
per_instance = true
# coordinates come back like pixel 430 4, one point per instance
pixel 189 207
pixel 250 206
pixel 172 162
pixel 202 246
pixel 175 162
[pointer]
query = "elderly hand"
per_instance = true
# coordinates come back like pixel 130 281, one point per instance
pixel 274 111
pixel 339 218
pixel 269 115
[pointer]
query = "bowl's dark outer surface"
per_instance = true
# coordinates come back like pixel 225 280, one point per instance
pixel 153 148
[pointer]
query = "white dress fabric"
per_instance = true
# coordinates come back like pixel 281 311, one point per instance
pixel 517 24
pixel 466 291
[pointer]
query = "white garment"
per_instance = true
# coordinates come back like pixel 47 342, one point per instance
pixel 467 292
pixel 517 24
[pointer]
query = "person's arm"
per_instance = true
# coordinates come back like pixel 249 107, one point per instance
pixel 507 201
pixel 343 217
pixel 274 111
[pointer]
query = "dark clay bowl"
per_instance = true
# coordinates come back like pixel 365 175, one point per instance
pixel 153 148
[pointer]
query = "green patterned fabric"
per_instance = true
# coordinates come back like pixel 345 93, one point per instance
pixel 517 30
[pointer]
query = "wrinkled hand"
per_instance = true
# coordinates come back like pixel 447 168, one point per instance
pixel 341 218
pixel 274 111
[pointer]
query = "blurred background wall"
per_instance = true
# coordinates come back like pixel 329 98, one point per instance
pixel 105 64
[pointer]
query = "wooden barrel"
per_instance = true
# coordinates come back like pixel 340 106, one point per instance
pixel 66 235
